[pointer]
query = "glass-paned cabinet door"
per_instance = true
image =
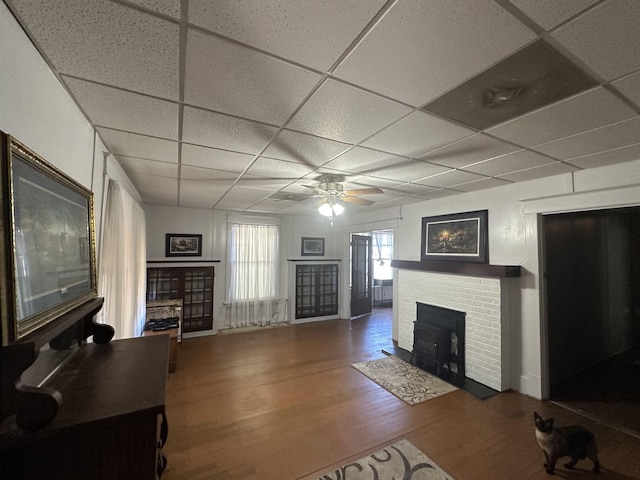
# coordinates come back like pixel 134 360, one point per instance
pixel 316 290
pixel 194 285
pixel 198 297
pixel 162 284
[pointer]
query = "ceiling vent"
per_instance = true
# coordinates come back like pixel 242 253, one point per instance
pixel 536 76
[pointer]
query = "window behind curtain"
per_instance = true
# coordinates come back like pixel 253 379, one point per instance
pixel 254 262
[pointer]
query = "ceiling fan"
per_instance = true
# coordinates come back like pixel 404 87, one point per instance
pixel 331 191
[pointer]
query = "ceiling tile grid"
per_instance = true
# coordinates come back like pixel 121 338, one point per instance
pixel 246 105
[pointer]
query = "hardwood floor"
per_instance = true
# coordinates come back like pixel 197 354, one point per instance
pixel 284 403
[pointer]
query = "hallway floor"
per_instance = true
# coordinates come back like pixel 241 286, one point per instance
pixel 609 391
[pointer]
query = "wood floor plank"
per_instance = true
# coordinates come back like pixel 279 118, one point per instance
pixel 285 403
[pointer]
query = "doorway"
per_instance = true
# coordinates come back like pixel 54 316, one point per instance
pixel 592 271
pixel 380 300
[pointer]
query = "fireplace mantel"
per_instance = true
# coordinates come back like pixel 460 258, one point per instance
pixel 461 268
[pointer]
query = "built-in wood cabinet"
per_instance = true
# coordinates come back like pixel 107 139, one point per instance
pixel 194 285
pixel 316 290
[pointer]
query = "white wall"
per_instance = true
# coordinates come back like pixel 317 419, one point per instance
pixel 514 240
pixel 213 225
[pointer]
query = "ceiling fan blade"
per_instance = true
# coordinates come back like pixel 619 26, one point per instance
pixel 364 191
pixel 359 201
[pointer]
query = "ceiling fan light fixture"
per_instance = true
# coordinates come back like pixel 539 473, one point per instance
pixel 330 209
pixel 325 209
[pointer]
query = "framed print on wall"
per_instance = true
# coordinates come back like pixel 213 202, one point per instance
pixel 47 265
pixel 312 246
pixel 459 237
pixel 183 245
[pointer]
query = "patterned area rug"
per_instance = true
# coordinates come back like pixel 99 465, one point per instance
pixel 400 461
pixel 405 381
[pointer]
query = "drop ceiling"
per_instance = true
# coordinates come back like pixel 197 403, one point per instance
pixel 246 104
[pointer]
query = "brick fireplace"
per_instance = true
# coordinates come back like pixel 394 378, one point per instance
pixel 485 301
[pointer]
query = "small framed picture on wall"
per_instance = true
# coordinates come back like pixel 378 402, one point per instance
pixel 312 246
pixel 183 245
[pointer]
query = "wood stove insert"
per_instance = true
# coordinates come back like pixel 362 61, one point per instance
pixel 433 331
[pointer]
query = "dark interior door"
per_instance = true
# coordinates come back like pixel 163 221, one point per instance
pixel 361 275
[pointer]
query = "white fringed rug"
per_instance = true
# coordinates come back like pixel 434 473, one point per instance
pixel 400 461
pixel 408 383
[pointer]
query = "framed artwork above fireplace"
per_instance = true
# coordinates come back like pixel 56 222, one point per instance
pixel 458 237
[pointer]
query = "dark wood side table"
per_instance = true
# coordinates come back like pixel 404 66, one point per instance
pixel 110 423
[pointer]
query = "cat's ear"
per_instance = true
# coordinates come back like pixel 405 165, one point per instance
pixel 536 416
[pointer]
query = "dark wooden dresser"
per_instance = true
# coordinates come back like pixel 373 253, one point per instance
pixel 110 423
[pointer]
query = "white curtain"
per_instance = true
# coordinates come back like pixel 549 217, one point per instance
pixel 254 276
pixel 123 257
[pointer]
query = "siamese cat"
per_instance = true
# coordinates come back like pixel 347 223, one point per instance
pixel 574 441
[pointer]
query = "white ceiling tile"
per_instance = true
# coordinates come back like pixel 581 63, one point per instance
pixel 336 111
pixel 200 194
pixel 270 167
pixel 549 13
pixel 240 198
pixel 148 167
pixel 271 184
pixel 271 205
pixel 306 149
pixel 133 145
pixel 480 184
pixel 215 158
pixel 410 171
pixel 308 32
pixel 229 78
pixel 222 131
pixel 156 190
pixel 369 181
pixel 619 134
pixel 166 7
pixel 586 111
pixel 222 177
pixel 629 86
pixel 416 134
pixel 114 108
pixel 111 43
pixel 449 178
pixel 411 188
pixel 606 38
pixel 468 150
pixel 539 172
pixel 513 162
pixel 416 52
pixel 439 193
pixel 610 157
pixel 362 160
